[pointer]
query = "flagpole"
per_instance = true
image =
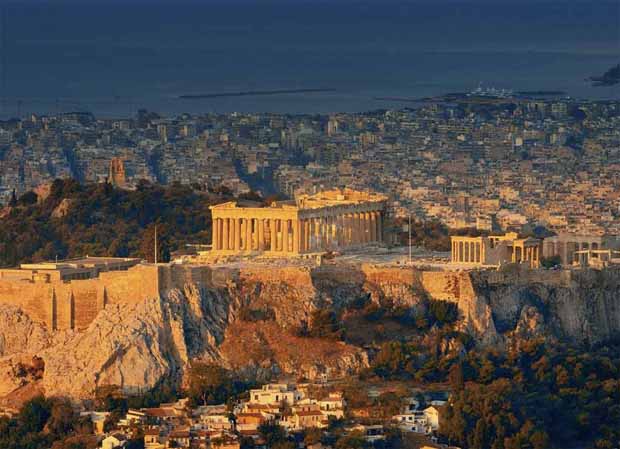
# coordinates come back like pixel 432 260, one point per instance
pixel 155 244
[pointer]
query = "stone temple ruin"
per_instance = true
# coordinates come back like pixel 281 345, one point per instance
pixel 329 220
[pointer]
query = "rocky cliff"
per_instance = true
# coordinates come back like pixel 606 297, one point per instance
pixel 136 345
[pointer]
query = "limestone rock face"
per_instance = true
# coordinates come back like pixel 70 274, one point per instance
pixel 19 334
pixel 62 209
pixel 138 345
pixel 20 337
pixel 584 308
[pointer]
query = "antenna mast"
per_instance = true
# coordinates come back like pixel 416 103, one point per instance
pixel 409 238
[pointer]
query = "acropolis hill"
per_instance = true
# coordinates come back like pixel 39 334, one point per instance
pixel 148 321
pixel 113 321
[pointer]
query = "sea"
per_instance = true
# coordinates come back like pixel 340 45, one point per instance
pixel 113 57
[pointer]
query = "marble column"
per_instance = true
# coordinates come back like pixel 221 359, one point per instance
pixel 317 234
pixel 261 234
pixel 355 228
pixel 273 236
pixel 307 235
pixel 331 230
pixel 373 226
pixel 285 236
pixel 231 233
pixel 379 227
pixel 244 234
pixel 237 222
pixel 225 234
pixel 296 236
pixel 367 227
pixel 216 234
pixel 362 228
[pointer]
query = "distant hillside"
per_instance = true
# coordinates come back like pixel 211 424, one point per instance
pixel 98 219
pixel 610 78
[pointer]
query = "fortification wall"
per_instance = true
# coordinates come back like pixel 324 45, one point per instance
pixel 448 285
pixel 522 275
pixel 74 304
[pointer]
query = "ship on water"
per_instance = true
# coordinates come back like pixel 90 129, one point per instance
pixel 490 92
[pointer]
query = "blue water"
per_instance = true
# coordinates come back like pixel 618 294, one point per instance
pixel 113 58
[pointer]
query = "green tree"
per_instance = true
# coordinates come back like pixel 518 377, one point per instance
pixel 208 383
pixel 13 199
pixel 272 433
pixel 456 377
pixel 147 245
pixel 34 414
pixel 62 417
pixel 324 324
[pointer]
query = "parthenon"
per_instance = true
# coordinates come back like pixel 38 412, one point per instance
pixel 329 220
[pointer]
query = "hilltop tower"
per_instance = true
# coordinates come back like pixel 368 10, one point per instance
pixel 116 175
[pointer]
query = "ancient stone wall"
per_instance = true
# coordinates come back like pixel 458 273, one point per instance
pixel 74 304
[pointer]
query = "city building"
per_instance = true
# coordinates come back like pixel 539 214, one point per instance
pixel 66 270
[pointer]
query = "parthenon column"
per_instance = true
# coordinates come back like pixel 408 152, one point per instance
pixel 243 237
pixel 317 233
pixel 360 227
pixel 285 236
pixel 273 236
pixel 373 226
pixel 331 220
pixel 216 234
pixel 261 234
pixel 367 238
pixel 339 230
pixel 348 225
pixel 296 236
pixel 224 245
pixel 237 233
pixel 379 227
pixel 231 233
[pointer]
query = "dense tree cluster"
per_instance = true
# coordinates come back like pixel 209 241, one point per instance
pixel 534 397
pixel 101 220
pixel 212 384
pixel 45 423
pixel 324 323
pixel 432 235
